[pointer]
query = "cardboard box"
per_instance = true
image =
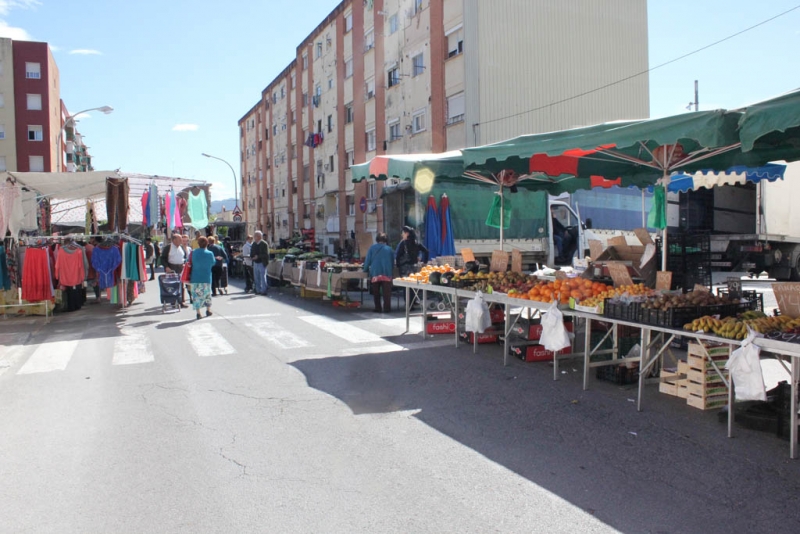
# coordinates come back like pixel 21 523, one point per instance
pixel 441 327
pixel 487 337
pixel 531 331
pixel 631 256
pixel 534 353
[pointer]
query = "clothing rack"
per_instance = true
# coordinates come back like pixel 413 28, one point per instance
pixel 28 240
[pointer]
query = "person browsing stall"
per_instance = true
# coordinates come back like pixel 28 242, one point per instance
pixel 216 272
pixel 259 252
pixel 247 263
pixel 173 256
pixel 409 252
pixel 379 265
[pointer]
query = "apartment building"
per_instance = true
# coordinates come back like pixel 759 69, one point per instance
pixel 32 113
pixel 414 76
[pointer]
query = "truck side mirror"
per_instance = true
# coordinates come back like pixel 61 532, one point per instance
pixel 588 223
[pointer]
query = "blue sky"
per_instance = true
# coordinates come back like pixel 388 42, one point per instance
pixel 180 73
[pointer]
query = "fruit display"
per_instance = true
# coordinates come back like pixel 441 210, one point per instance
pixel 684 300
pixel 581 290
pixel 423 275
pixel 736 328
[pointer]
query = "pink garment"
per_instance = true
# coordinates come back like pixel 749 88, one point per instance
pixel 70 266
pixel 179 211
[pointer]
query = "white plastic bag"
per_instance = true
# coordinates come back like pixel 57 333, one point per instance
pixel 554 336
pixel 478 318
pixel 745 369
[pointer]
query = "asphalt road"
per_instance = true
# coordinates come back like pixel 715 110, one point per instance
pixel 282 414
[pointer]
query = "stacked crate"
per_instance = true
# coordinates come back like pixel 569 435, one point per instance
pixel 706 390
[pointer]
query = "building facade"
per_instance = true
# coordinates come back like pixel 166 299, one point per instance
pixel 32 113
pixel 416 76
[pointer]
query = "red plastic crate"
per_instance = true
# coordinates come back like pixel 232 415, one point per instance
pixel 441 327
pixel 534 353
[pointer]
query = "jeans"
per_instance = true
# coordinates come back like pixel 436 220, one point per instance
pixel 260 276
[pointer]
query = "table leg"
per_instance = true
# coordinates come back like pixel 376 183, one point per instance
pixel 644 358
pixel 506 329
pixel 424 313
pixel 455 313
pixel 793 412
pixel 587 352
pixel 731 399
pixel 408 309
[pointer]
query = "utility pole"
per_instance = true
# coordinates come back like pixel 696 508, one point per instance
pixel 696 96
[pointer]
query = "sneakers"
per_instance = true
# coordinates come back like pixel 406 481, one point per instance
pixel 208 313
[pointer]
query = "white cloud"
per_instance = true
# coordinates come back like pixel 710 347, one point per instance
pixel 185 128
pixel 12 32
pixel 86 52
pixel 8 5
pixel 54 48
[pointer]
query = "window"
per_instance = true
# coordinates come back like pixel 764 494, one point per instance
pixel 1 67
pixel 306 174
pixel 394 130
pixel 294 186
pixel 348 68
pixel 417 6
pixel 2 131
pixel 305 99
pixel 348 22
pixel 330 163
pixel 274 129
pixel 294 116
pixel 292 82
pixel 3 101
pixel 283 127
pixel 34 133
pixel 36 163
pixel 351 205
pixel 305 61
pixel 3 163
pixel 318 90
pixel 292 151
pixel 393 24
pixel 370 88
pixel 372 190
pixel 330 123
pixel 418 121
pixel 455 42
pixel 394 77
pixel 33 71
pixel 369 40
pixel 349 159
pixel 266 134
pixel 283 91
pixel 277 191
pixel 319 126
pixel 330 83
pixel 371 140
pixel 455 108
pixel 319 49
pixel 419 64
pixel 348 113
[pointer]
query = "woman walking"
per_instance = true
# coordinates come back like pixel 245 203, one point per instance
pixel 202 262
pixel 216 272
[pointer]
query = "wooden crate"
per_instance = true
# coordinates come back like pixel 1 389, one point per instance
pixel 706 390
pixel 696 349
pixel 683 390
pixel 707 403
pixel 668 382
pixel 704 376
pixel 699 362
pixel 683 367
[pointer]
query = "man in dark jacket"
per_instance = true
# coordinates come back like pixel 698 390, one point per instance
pixel 259 252
pixel 216 270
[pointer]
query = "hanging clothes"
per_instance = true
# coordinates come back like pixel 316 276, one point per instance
pixel 12 263
pixel 71 265
pixel 180 209
pixel 132 253
pixel 145 211
pixel 5 277
pixel 9 194
pixel 37 281
pixel 44 215
pixel 154 202
pixel 198 210
pixel 105 260
pixel 117 190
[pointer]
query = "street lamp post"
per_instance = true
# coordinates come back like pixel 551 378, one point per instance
pixel 71 119
pixel 235 182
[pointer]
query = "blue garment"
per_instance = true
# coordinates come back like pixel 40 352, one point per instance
pixel 202 262
pixel 379 261
pixel 5 279
pixel 105 261
pixel 260 278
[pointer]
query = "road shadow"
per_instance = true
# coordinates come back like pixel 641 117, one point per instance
pixel 631 470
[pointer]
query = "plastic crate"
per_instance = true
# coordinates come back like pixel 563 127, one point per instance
pixel 618 374
pixel 625 345
pixel 673 317
pixel 625 311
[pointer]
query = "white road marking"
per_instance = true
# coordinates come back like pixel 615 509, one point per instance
pixel 217 317
pixel 132 347
pixel 52 355
pixel 341 329
pixel 11 349
pixel 277 335
pixel 207 341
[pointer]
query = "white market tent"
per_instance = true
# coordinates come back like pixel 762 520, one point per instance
pixel 68 191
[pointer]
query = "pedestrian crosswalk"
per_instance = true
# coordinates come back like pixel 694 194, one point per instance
pixel 309 336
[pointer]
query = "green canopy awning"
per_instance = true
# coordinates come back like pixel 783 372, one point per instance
pixel 772 125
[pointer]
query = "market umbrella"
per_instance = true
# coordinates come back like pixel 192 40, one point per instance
pixel 448 245
pixel 433 229
pixel 683 182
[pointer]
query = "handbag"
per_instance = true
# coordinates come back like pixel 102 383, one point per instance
pixel 186 273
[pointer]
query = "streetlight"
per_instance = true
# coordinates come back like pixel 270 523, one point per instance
pixel 235 184
pixel 71 119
